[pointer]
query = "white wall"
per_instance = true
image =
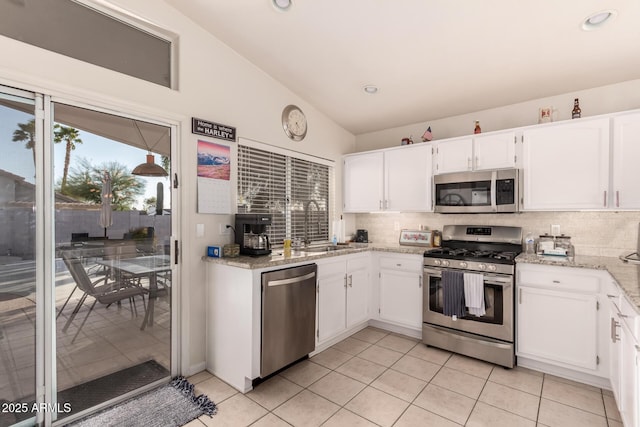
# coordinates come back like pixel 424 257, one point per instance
pixel 593 102
pixel 215 84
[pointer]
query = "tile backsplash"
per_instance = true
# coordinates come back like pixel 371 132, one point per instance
pixel 592 233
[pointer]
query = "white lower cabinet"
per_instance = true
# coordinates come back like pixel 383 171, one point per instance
pixel 624 358
pixel 561 323
pixel 401 290
pixel 558 326
pixel 343 294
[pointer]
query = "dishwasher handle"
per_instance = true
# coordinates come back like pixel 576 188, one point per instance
pixel 292 280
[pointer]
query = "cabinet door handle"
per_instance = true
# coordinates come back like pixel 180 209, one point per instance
pixel 345 281
pixel 556 281
pixel 380 204
pixel 612 296
pixel 420 281
pixel 386 204
pixel 605 198
pixel 614 335
pixel 469 163
pixel 477 162
pixel 617 199
pixel 350 281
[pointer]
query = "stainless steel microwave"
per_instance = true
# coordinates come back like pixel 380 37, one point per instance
pixel 490 191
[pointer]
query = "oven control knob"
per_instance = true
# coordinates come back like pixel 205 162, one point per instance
pixel 492 267
pixel 463 264
pixel 445 262
pixel 482 266
pixel 437 262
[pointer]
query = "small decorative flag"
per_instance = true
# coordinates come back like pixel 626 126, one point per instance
pixel 427 136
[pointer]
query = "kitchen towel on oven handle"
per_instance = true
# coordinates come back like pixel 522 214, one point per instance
pixel 452 283
pixel 474 293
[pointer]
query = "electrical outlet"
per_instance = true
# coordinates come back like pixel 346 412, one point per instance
pixel 555 229
pixel 224 229
pixel 396 226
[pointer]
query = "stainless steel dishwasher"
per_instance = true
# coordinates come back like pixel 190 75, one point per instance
pixel 288 316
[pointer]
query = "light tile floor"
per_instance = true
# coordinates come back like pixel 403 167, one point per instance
pixel 378 378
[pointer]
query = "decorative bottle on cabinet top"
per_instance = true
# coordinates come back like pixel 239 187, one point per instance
pixel 577 112
pixel 477 128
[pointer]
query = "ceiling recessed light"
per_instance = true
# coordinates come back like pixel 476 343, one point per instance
pixel 370 89
pixel 598 19
pixel 282 5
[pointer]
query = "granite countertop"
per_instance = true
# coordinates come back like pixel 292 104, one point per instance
pixel 277 258
pixel 626 275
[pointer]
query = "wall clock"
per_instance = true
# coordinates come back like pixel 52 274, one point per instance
pixel 294 122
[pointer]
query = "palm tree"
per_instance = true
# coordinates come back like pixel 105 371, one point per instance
pixel 27 132
pixel 85 182
pixel 72 137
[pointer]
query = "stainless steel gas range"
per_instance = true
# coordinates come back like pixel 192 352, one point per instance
pixel 468 300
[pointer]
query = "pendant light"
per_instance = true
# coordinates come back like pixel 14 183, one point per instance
pixel 148 168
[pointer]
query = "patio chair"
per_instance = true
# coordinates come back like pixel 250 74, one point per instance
pixel 106 294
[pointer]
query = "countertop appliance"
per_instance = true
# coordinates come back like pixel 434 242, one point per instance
pixel 252 234
pixel 489 253
pixel 288 317
pixel 633 257
pixel 362 236
pixel 490 191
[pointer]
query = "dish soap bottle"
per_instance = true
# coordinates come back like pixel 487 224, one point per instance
pixel 334 240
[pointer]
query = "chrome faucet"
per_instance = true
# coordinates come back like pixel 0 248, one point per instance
pixel 307 209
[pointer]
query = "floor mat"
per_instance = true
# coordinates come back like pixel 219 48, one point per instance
pixel 110 386
pixel 172 405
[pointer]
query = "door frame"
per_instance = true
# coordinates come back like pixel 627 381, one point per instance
pixel 45 335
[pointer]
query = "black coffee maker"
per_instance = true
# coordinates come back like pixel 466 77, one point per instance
pixel 251 234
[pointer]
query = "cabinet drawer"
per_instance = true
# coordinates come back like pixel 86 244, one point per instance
pixel 358 262
pixel 629 316
pixel 408 263
pixel 331 268
pixel 568 279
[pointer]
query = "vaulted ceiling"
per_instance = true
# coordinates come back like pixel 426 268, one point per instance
pixel 429 58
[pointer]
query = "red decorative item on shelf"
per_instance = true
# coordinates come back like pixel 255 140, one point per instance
pixel 477 128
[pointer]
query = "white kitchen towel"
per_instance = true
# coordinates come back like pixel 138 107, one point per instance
pixel 474 293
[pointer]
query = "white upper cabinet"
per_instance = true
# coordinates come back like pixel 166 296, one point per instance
pixel 397 179
pixel 626 153
pixel 496 150
pixel 454 155
pixel 363 182
pixel 566 165
pixel 407 185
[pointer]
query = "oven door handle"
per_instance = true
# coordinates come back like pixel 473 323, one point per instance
pixel 489 280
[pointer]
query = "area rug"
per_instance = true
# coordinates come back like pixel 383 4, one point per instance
pixel 172 405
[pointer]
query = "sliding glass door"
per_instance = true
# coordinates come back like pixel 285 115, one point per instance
pixel 86 274
pixel 19 258
pixel 113 267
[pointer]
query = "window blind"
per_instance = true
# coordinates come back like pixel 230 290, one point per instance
pixel 293 191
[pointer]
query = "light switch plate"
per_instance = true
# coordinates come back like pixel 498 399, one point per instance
pixel 555 229
pixel 199 230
